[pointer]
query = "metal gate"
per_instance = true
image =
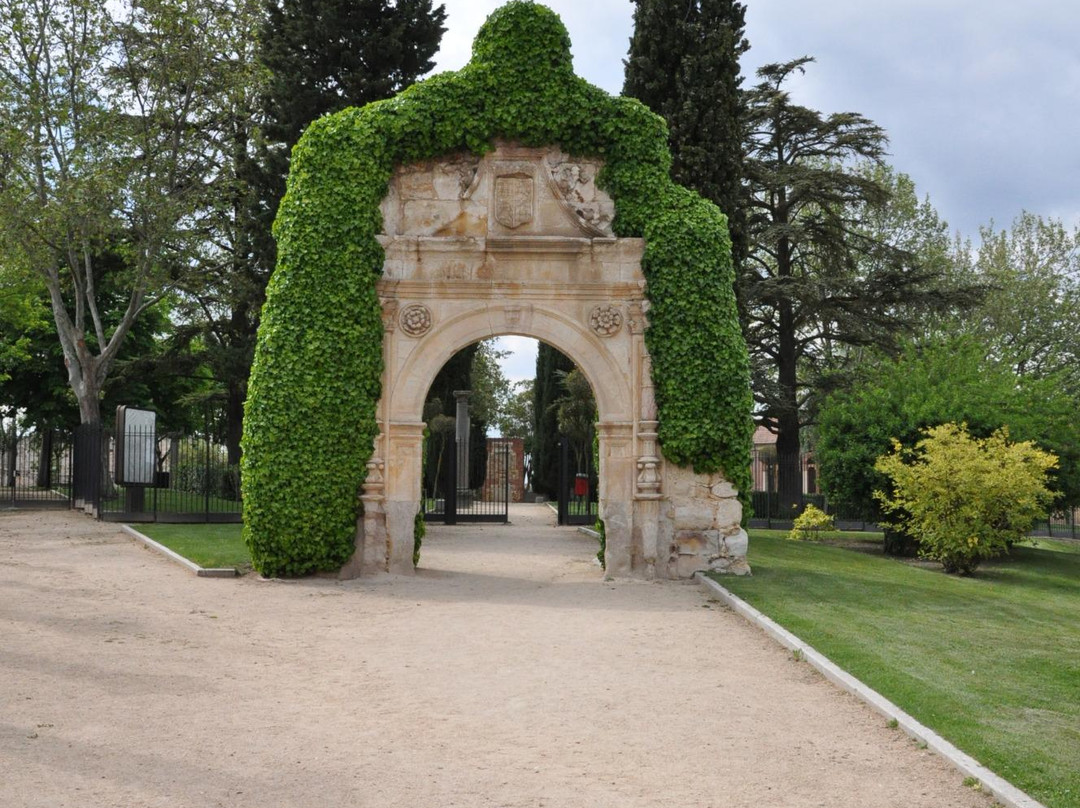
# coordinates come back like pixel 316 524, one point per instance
pixel 447 495
pixel 577 483
pixel 35 468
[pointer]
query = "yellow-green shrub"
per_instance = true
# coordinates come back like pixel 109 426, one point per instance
pixel 811 523
pixel 965 499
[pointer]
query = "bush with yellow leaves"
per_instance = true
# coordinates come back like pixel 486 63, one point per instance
pixel 811 523
pixel 965 499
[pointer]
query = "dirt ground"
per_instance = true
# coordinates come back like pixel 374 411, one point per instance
pixel 506 673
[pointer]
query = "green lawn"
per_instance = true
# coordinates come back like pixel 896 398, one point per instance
pixel 173 501
pixel 207 545
pixel 991 662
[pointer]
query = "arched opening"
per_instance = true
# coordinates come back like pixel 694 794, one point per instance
pixel 568 408
pixel 478 499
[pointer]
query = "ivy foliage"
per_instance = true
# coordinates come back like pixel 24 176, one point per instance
pixel 310 417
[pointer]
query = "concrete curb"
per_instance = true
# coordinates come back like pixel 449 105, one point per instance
pixel 1002 790
pixel 191 566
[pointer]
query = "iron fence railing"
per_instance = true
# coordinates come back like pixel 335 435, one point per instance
pixel 35 468
pixel 191 480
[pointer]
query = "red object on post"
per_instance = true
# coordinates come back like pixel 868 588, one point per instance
pixel 581 485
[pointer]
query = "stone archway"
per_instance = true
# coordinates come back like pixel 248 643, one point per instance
pixel 519 241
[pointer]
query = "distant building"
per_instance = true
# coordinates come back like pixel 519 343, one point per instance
pixel 764 469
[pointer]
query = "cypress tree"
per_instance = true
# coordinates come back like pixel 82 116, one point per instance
pixel 548 388
pixel 325 55
pixel 684 65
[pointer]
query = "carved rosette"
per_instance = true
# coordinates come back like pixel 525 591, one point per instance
pixel 605 321
pixel 415 320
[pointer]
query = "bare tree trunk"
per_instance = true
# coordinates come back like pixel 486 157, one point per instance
pixel 12 453
pixel 234 421
pixel 44 470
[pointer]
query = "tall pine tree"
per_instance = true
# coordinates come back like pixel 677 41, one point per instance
pixel 819 281
pixel 684 65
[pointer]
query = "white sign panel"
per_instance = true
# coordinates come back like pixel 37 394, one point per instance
pixel 136 453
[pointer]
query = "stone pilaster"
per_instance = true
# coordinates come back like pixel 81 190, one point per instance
pixel 402 501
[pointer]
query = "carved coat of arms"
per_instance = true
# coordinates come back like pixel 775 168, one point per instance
pixel 514 200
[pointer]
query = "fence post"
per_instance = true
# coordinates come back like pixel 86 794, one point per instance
pixel 768 494
pixel 506 478
pixel 206 470
pixel 450 495
pixel 564 479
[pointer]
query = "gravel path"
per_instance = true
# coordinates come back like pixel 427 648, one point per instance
pixel 506 673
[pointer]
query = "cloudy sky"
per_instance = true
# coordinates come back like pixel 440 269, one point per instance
pixel 980 98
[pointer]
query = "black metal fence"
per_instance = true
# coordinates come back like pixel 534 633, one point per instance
pixel 191 481
pixel 782 488
pixel 181 478
pixel 577 483
pixel 1060 525
pixel 447 495
pixel 35 468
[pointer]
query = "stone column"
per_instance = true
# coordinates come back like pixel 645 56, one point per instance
pixel 617 495
pixel 461 434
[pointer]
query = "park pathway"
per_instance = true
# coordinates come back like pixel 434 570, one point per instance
pixel 507 672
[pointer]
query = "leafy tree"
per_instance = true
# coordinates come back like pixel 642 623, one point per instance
pixel 102 125
pixel 684 65
pixel 516 417
pixel 325 55
pixel 547 389
pixel 952 380
pixel 489 387
pixel 1029 315
pixel 222 283
pixel 37 384
pixel 820 280
pixel 965 499
pixel 22 309
pixel 516 420
pixel 313 57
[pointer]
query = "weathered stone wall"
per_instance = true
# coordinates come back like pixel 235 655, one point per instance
pixel 493 480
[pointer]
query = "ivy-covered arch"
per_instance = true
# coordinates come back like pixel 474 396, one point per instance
pixel 310 416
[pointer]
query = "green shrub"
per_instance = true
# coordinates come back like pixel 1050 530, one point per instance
pixel 951 381
pixel 965 499
pixel 602 538
pixel 811 523
pixel 419 531
pixel 216 479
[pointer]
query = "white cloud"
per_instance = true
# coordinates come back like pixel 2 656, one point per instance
pixel 981 98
